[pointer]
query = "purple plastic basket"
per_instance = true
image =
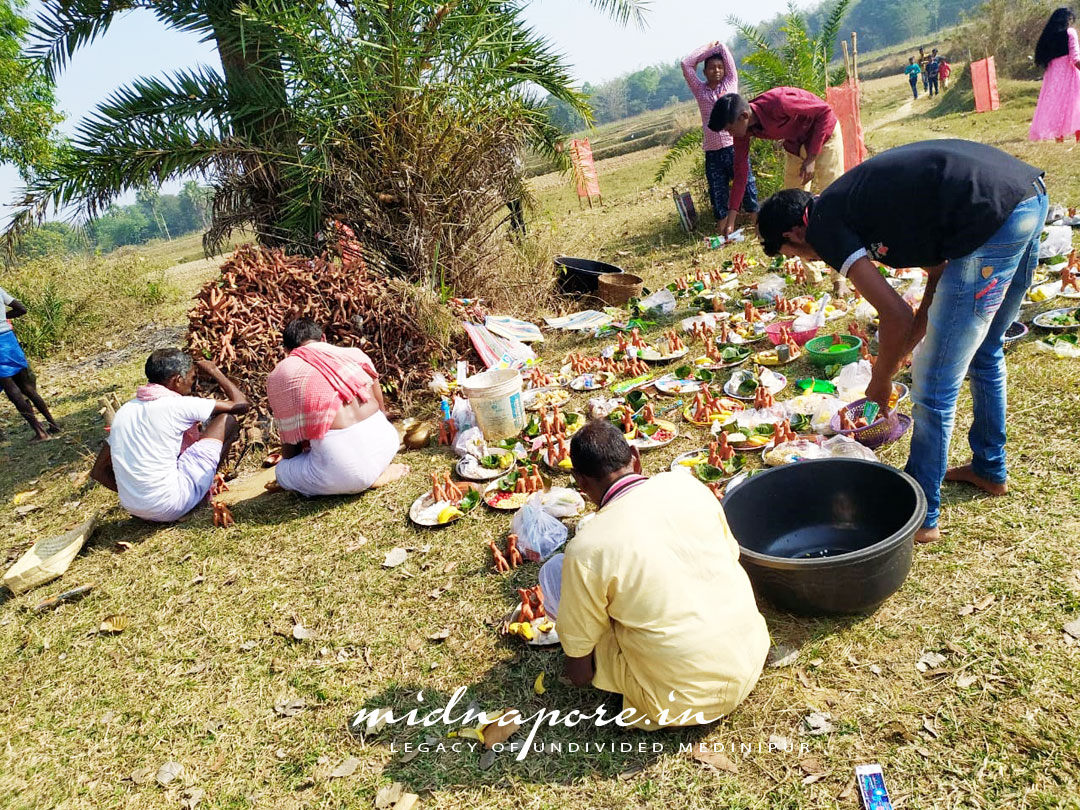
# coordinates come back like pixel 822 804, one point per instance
pixel 880 433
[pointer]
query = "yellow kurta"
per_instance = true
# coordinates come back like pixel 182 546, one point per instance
pixel 653 587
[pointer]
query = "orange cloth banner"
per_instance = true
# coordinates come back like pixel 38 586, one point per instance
pixel 984 80
pixel 845 103
pixel 588 183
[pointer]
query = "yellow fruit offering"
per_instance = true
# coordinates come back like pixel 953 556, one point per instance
pixel 538 684
pixel 566 464
pixel 448 514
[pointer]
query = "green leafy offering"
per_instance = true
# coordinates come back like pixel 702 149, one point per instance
pixel 648 430
pixel 732 353
pixel 748 386
pixel 1065 319
pixel 801 423
pixel 636 400
pixel 501 461
pixel 506 444
pixel 532 429
pixel 691 373
pixel 763 430
pixel 1072 339
pixel 506 483
pixel 572 418
pixel 708 473
pixel 471 499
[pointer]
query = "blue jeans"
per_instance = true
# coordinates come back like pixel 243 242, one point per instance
pixel 719 172
pixel 914 81
pixel 978 297
pixel 933 88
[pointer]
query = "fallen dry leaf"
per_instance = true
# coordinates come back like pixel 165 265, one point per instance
pixel 985 602
pixel 300 633
pixel 140 776
pixel 191 798
pixel 406 802
pixel 716 760
pixel 875 669
pixel 395 557
pixel 930 727
pixel 631 771
pixel 440 635
pixel 409 756
pixel 778 743
pixel 290 707
pixel 782 655
pixel 812 765
pixel 414 644
pixel 346 768
pixel 450 566
pixel 848 791
pixel 815 777
pixel 967 609
pixel 929 660
pixel 168 773
pixel 817 723
pixel 487 759
pixel 923 752
pixel 815 662
pixel 499 732
pixel 804 679
pixel 26 509
pixel 965 679
pixel 896 730
pixel 195 668
pixel 1073 628
pixel 388 795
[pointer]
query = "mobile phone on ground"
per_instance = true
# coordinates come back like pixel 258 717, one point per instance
pixel 871 782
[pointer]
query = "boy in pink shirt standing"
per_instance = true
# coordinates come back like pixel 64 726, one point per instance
pixel 721 78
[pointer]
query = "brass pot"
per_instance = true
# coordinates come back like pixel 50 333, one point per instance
pixel 417 435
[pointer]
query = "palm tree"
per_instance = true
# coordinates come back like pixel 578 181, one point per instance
pixel 396 117
pixel 801 60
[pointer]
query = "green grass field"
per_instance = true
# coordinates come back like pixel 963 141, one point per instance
pixel 207 654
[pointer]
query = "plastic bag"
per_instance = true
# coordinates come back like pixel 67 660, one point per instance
pixel 558 502
pixel 1058 241
pixel 813 320
pixel 1061 348
pixel 819 407
pixel 539 534
pixel 847 447
pixel 662 301
pixel 771 286
pixel 462 414
pixel 709 319
pixel 852 380
pixel 600 407
pixel 864 313
pixel 470 442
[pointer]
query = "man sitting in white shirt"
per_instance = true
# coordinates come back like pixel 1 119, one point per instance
pixel 160 458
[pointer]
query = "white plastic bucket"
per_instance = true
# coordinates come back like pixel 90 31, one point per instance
pixel 495 397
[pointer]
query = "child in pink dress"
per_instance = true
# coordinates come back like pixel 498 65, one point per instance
pixel 1057 113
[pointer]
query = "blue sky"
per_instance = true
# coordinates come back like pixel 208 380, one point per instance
pixel 137 45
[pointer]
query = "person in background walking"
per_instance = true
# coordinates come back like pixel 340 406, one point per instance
pixel 944 69
pixel 923 60
pixel 17 380
pixel 913 70
pixel 1057 52
pixel 720 78
pixel 932 68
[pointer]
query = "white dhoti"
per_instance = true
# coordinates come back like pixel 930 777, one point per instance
pixel 343 462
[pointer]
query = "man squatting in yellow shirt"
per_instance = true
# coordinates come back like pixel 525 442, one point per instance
pixel 650 600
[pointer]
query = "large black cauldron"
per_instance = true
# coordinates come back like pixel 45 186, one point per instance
pixel 581 276
pixel 827 536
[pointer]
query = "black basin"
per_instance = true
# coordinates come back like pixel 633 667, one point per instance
pixel 827 536
pixel 580 276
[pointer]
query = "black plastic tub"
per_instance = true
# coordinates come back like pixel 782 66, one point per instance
pixel 829 536
pixel 581 276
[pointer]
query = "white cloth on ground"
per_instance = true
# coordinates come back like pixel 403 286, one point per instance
pixel 153 480
pixel 344 462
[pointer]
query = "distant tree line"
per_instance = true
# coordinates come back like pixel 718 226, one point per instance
pixel 650 88
pixel 879 23
pixel 153 216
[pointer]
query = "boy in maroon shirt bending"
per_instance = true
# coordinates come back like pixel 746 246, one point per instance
pixel 813 145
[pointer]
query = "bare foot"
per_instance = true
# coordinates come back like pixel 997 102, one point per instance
pixel 41 436
pixel 927 535
pixel 967 476
pixel 273 486
pixel 54 428
pixel 391 474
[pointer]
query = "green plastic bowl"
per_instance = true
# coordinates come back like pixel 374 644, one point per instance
pixel 818 350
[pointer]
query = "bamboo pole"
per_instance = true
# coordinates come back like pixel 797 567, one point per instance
pixel 847 60
pixel 855 56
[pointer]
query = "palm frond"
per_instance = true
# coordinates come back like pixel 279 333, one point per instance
pixel 624 11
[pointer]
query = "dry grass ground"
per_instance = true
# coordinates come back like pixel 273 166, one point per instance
pixel 196 675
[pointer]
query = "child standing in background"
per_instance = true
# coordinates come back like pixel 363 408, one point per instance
pixel 720 78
